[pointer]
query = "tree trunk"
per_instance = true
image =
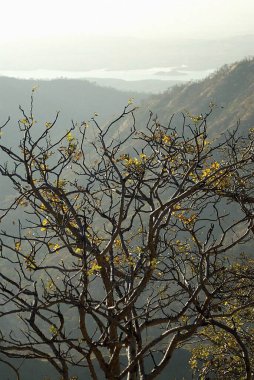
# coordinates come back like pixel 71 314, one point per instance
pixel 131 354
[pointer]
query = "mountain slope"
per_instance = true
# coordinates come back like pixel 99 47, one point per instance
pixel 231 88
pixel 76 100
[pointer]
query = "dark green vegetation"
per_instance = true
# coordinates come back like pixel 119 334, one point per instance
pixel 124 250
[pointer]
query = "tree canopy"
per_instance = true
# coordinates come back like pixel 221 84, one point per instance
pixel 125 246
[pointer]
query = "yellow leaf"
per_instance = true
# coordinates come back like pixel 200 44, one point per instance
pixel 166 139
pixel 45 222
pixel 53 330
pixel 17 246
pixel 69 137
pixel 95 267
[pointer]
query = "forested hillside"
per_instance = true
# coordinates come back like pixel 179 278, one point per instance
pixel 76 100
pixel 231 88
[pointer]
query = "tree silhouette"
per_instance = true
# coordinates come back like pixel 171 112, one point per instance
pixel 125 245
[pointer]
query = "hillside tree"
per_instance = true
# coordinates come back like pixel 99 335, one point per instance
pixel 121 244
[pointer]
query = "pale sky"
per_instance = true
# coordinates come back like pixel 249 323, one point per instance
pixel 94 34
pixel 28 19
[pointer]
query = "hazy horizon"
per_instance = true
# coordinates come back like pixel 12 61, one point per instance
pixel 117 35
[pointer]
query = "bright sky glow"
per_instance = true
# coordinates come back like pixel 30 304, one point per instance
pixel 80 35
pixel 29 19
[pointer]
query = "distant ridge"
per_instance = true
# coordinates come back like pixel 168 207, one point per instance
pixel 231 88
pixel 76 100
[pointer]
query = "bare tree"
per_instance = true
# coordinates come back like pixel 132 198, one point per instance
pixel 125 242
